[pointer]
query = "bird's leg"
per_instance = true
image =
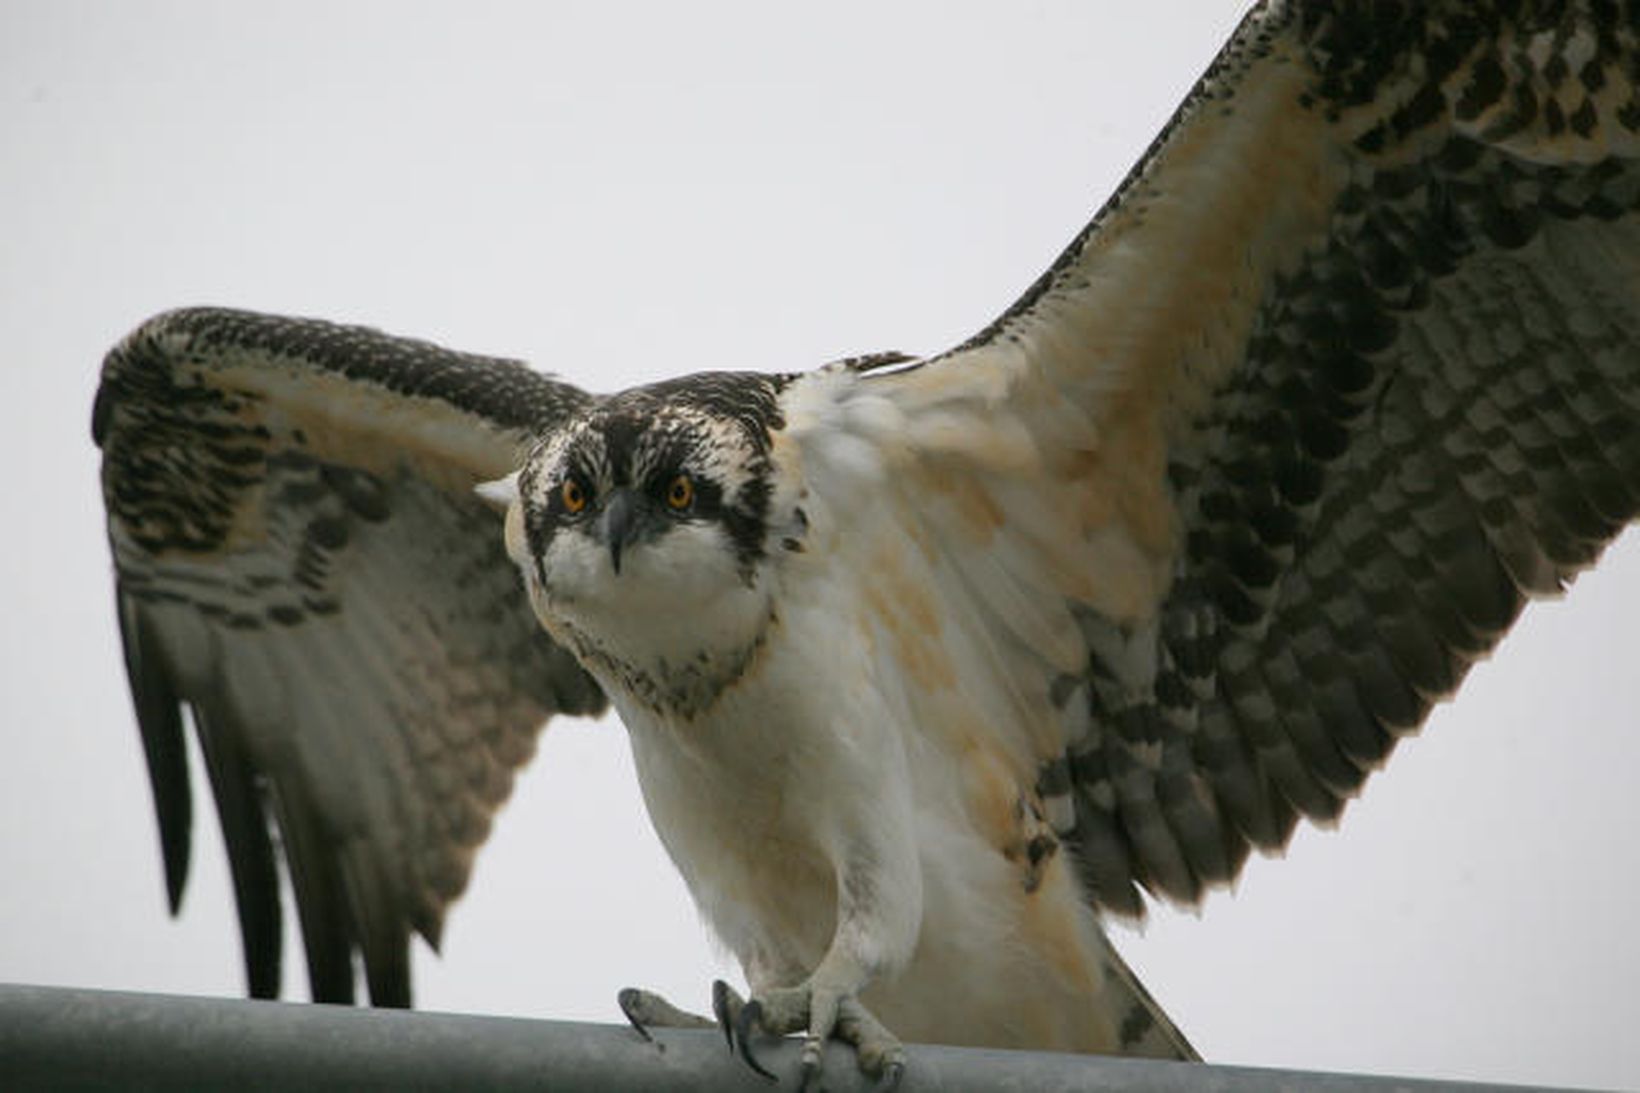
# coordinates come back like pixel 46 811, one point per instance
pixel 878 893
pixel 876 929
pixel 865 827
pixel 824 1005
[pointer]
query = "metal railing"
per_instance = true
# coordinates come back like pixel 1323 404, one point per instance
pixel 64 1039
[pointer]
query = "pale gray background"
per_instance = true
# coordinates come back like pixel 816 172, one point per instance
pixel 621 192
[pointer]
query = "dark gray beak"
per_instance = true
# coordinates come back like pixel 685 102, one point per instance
pixel 619 524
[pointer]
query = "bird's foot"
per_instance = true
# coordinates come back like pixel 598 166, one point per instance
pixel 820 1012
pixel 646 1010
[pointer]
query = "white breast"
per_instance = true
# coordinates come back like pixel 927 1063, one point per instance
pixel 762 799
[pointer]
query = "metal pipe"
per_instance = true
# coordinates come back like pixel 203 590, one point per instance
pixel 67 1039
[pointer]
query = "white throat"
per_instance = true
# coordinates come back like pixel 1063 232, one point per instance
pixel 679 624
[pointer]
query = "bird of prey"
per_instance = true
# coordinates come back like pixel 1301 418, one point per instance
pixel 928 665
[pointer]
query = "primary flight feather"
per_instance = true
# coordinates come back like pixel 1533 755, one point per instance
pixel 928 663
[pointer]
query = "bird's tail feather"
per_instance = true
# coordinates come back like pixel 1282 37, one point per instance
pixel 1144 1028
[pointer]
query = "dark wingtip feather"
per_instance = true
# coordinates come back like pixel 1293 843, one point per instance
pixel 159 717
pixel 380 929
pixel 321 896
pixel 387 970
pixel 250 854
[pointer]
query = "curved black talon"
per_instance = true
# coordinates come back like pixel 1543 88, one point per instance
pixel 721 993
pixel 750 1014
pixel 628 1000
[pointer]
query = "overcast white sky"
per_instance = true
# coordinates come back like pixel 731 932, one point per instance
pixel 620 192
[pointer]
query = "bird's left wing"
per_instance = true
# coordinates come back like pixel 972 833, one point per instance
pixel 302 565
pixel 1346 370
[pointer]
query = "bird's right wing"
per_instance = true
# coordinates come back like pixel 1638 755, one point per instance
pixel 1347 369
pixel 302 565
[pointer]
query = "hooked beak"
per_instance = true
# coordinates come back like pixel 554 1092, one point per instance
pixel 619 524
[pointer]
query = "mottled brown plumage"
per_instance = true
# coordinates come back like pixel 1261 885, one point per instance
pixel 968 649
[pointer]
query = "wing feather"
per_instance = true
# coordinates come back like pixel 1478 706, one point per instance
pixel 1347 369
pixel 302 565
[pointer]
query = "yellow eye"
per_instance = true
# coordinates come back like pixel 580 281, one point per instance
pixel 575 498
pixel 681 493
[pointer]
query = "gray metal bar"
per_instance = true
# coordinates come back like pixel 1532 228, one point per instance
pixel 65 1039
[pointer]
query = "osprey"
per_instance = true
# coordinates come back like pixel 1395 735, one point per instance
pixel 928 664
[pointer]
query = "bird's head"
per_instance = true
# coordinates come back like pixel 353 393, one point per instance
pixel 641 526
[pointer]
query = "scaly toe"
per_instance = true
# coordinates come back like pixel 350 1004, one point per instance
pixel 812 1060
pixel 819 1013
pixel 880 1052
pixel 646 1010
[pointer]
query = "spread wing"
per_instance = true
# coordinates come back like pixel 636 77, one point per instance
pixel 303 567
pixel 1345 372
